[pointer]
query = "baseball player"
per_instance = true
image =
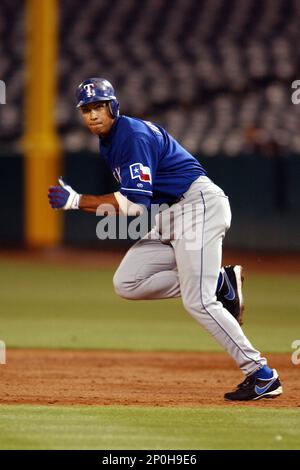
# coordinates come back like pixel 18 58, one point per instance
pixel 181 255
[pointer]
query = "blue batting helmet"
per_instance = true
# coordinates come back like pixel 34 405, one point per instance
pixel 97 89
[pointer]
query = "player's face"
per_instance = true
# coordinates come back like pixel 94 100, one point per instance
pixel 97 117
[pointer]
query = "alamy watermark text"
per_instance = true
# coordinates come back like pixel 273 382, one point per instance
pixel 2 92
pixel 2 352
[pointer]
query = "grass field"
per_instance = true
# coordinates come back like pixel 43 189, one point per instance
pixel 58 307
pixel 147 428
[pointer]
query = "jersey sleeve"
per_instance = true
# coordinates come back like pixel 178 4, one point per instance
pixel 139 163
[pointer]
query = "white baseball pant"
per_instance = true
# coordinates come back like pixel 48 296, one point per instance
pixel 182 256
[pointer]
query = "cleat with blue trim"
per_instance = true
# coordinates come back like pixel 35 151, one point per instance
pixel 254 388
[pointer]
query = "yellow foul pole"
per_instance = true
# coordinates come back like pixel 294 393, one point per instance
pixel 41 143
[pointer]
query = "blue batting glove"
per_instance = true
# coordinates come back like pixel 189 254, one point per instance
pixel 63 196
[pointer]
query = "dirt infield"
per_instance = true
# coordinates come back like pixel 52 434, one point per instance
pixel 60 377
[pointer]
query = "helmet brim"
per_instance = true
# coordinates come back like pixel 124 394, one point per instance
pixel 94 99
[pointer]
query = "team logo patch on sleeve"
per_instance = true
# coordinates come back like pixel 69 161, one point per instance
pixel 143 173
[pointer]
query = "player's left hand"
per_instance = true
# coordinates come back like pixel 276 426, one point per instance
pixel 63 196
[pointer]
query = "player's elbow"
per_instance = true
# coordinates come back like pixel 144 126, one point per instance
pixel 128 207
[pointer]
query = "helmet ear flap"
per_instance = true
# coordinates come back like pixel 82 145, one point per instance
pixel 113 106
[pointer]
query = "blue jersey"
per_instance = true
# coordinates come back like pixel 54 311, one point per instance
pixel 151 167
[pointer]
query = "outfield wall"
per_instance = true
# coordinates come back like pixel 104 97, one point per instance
pixel 264 195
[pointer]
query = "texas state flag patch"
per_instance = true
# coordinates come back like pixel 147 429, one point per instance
pixel 143 173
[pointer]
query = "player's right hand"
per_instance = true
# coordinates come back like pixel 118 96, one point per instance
pixel 63 196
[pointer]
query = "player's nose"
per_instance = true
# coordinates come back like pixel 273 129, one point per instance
pixel 93 114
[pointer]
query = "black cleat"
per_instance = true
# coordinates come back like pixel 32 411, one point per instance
pixel 230 293
pixel 254 388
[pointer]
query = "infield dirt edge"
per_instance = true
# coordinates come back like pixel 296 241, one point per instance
pixel 103 377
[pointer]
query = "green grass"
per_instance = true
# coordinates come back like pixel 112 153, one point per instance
pixel 59 307
pixel 273 311
pixel 37 427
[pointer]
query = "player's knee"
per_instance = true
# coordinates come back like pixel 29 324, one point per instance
pixel 120 285
pixel 124 288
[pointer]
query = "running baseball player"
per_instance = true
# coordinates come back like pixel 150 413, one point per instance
pixel 153 168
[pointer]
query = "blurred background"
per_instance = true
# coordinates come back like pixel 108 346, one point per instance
pixel 217 74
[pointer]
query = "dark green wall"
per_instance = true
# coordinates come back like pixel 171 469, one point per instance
pixel 264 196
pixel 11 199
pixel 265 200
